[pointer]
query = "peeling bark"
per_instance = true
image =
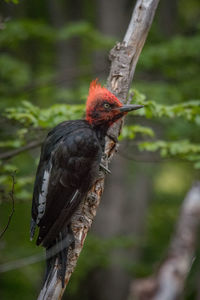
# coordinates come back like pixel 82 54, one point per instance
pixel 168 282
pixel 124 57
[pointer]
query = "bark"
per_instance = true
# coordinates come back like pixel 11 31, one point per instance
pixel 124 57
pixel 168 282
pixel 117 214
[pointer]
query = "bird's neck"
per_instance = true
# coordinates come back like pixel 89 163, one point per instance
pixel 101 131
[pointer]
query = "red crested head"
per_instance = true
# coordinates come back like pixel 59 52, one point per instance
pixel 104 108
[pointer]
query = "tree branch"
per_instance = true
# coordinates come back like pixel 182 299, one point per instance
pixel 168 282
pixel 10 154
pixel 124 57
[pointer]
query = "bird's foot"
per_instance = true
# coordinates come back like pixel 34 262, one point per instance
pixel 112 137
pixel 105 169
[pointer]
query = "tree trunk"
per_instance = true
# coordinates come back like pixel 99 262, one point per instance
pixel 169 280
pixel 66 50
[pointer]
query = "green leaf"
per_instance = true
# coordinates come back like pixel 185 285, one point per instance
pixel 129 132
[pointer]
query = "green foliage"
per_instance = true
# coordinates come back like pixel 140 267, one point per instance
pixel 173 148
pixel 181 149
pixel 190 110
pixel 129 132
pixel 23 184
pixel 30 115
pixel 13 72
pixel 18 31
pixel 86 31
pixel 13 1
pixel 172 51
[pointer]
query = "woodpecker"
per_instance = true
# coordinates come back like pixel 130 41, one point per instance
pixel 69 165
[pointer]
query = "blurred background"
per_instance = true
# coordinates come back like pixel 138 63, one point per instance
pixel 49 53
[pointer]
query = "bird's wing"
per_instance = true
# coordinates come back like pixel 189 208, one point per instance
pixel 43 174
pixel 67 175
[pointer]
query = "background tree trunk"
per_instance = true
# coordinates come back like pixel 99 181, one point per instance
pixel 169 280
pixel 67 51
pixel 112 20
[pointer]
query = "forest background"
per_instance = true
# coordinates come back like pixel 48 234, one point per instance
pixel 50 51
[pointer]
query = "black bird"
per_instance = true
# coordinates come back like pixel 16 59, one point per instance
pixel 69 165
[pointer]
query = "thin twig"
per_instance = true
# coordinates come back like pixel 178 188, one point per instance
pixel 19 263
pixel 13 205
pixel 12 153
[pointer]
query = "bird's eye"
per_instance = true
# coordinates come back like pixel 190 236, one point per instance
pixel 106 105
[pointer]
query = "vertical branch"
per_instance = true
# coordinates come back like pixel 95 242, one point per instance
pixel 124 57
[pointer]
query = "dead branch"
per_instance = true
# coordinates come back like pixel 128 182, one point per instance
pixel 168 282
pixel 13 206
pixel 124 57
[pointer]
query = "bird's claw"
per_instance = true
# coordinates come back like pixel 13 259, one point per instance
pixel 112 137
pixel 105 169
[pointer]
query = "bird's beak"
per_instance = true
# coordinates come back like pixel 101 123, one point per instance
pixel 127 108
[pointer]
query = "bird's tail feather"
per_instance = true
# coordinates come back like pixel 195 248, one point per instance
pixel 57 254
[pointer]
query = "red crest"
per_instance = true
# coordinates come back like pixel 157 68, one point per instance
pixel 98 92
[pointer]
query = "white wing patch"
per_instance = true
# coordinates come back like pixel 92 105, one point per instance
pixel 43 194
pixel 74 196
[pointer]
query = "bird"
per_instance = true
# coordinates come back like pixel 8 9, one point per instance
pixel 69 165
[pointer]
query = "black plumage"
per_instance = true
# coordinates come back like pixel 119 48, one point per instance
pixel 70 156
pixel 68 167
